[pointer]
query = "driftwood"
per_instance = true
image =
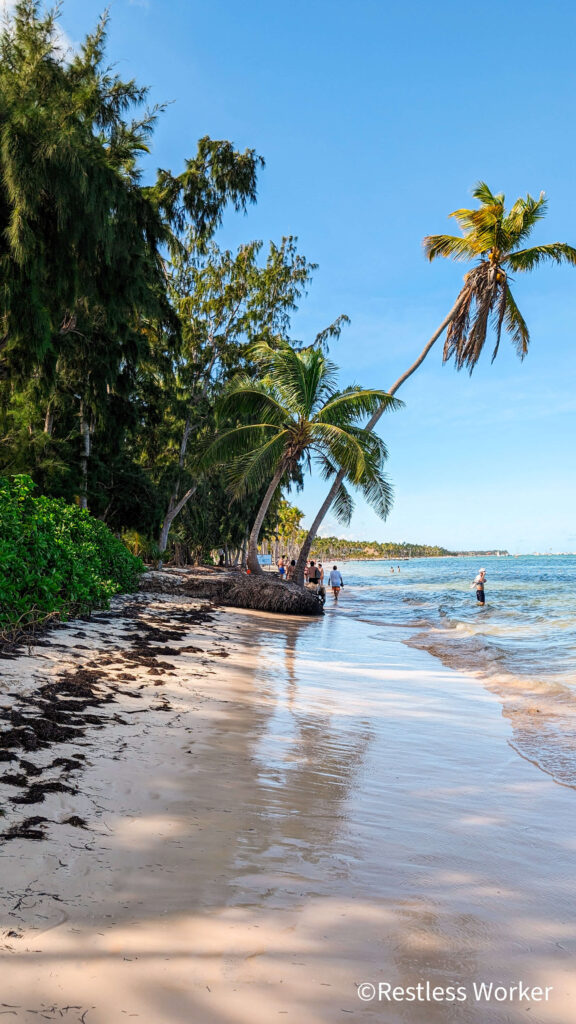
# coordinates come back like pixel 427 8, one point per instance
pixel 264 593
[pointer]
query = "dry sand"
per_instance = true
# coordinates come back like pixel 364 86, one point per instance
pixel 268 830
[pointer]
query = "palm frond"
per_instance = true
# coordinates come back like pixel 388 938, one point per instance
pixel 372 443
pixel 343 447
pixel 499 314
pixel 528 259
pixel 476 223
pixel 352 403
pixel 343 506
pixel 524 214
pixel 467 330
pixel 483 194
pixel 457 332
pixel 254 469
pixel 486 292
pixel 234 443
pixel 305 379
pixel 459 249
pixel 378 493
pixel 516 325
pixel 245 397
pixel 261 352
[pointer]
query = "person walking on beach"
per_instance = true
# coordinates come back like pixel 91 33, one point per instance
pixel 321 587
pixel 281 567
pixel 479 584
pixel 314 582
pixel 314 575
pixel 336 581
pixel 291 570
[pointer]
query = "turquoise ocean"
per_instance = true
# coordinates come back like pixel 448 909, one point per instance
pixel 521 645
pixel 527 627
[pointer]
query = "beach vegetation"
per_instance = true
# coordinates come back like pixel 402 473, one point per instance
pixel 225 301
pixel 55 558
pixel 84 248
pixel 294 415
pixel 131 344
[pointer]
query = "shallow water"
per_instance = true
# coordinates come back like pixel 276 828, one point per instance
pixel 527 627
pixel 522 643
pixel 386 798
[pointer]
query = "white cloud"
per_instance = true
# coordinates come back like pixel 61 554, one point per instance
pixel 64 44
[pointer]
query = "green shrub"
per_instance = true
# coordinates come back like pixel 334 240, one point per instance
pixel 55 557
pixel 141 546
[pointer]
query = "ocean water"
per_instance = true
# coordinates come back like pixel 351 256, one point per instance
pixel 521 644
pixel 527 627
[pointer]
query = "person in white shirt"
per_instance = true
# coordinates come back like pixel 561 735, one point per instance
pixel 479 584
pixel 336 581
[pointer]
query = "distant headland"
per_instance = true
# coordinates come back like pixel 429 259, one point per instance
pixel 338 547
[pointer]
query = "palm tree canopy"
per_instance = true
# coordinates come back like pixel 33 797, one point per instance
pixel 295 415
pixel 494 238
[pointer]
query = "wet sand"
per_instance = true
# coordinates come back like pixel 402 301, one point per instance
pixel 282 811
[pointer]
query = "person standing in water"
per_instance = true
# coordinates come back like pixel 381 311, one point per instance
pixel 479 584
pixel 336 581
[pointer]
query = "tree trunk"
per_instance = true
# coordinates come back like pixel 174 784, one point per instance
pixel 173 510
pixel 173 505
pixel 84 457
pixel 49 419
pixel 311 536
pixel 307 545
pixel 252 560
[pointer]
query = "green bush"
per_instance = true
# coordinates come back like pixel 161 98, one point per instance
pixel 55 557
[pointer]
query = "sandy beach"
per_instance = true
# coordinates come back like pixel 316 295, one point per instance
pixel 259 817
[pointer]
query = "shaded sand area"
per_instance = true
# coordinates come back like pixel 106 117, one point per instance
pixel 256 815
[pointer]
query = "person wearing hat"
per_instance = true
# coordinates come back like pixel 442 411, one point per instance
pixel 479 584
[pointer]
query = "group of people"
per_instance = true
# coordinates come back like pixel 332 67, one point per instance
pixel 313 576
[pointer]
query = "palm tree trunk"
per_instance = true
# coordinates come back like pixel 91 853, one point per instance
pixel 252 559
pixel 311 537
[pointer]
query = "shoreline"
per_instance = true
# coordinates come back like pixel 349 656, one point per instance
pixel 275 823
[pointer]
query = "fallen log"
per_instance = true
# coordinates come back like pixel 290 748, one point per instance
pixel 264 593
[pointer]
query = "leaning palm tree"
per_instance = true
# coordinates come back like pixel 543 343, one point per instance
pixel 292 417
pixel 494 239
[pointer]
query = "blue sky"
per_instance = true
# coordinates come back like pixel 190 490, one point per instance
pixel 375 121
